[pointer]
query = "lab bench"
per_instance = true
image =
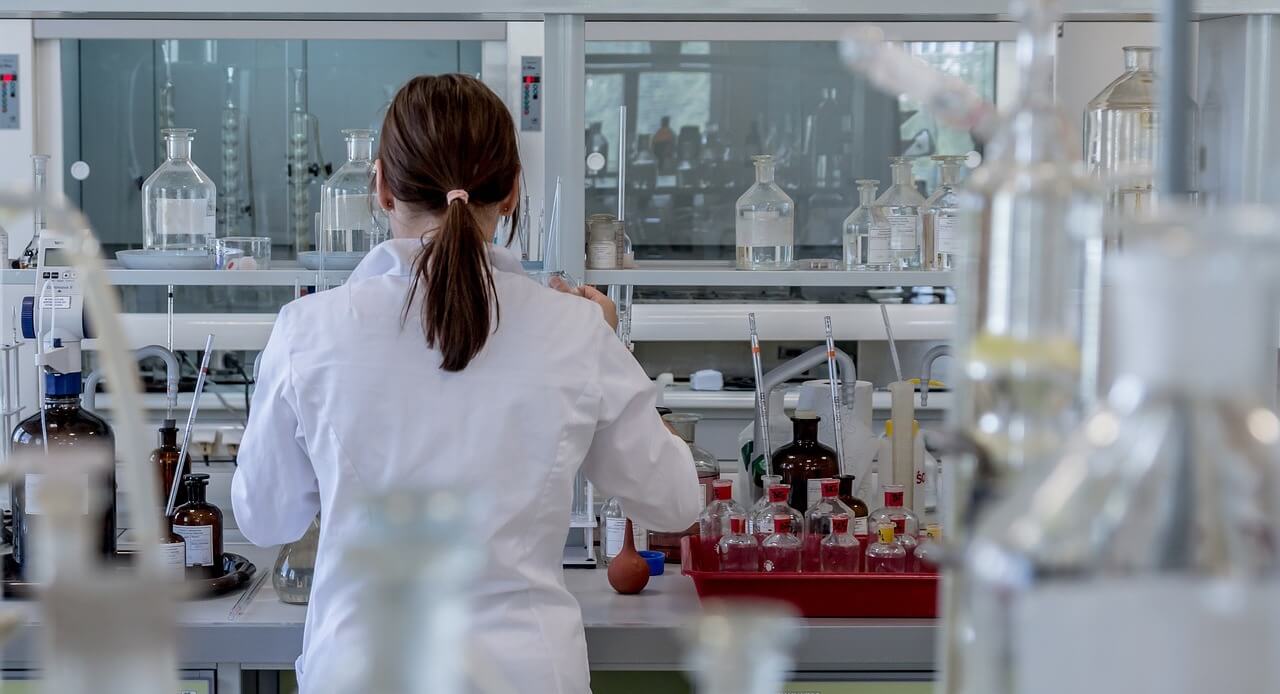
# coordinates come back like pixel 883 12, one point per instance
pixel 624 633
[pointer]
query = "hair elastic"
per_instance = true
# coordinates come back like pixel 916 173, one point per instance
pixel 457 195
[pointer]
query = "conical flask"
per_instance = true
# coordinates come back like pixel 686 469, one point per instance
pixel 296 567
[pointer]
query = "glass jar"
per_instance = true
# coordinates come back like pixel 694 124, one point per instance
pixel 604 242
pixel 866 232
pixel 765 227
pixel 804 462
pixel 179 210
pixel 901 204
pixel 942 210
pixel 296 567
pixel 708 469
pixel 350 221
pixel 858 521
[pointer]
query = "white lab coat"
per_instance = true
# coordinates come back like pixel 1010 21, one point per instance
pixel 349 402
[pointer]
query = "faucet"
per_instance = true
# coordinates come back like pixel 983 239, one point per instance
pixel 171 374
pixel 926 369
pixel 798 365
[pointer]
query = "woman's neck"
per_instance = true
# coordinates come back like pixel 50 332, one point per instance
pixel 417 225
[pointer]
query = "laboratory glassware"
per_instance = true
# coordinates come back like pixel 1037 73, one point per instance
pixel 839 551
pixel 741 647
pixel 708 469
pixel 765 227
pixel 350 222
pixel 941 215
pixel 200 525
pixel 902 205
pixel 243 253
pixel 4 248
pixel 713 522
pixel 893 509
pixel 907 539
pixel 39 191
pixel 70 429
pixel 777 498
pixel 866 232
pixel 295 567
pixel 764 502
pixel 614 522
pixel 305 161
pixel 817 521
pixel 165 460
pixel 859 507
pixel 1166 493
pixel 179 200
pixel 805 462
pixel 604 234
pixel 173 551
pixel 886 555
pixel 929 549
pixel 737 550
pixel 233 202
pixel 780 552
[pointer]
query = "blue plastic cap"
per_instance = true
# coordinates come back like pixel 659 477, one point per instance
pixel 62 384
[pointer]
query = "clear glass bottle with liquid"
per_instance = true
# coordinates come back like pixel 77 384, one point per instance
pixel 765 227
pixel 713 523
pixel 893 510
pixel 817 522
pixel 614 523
pixel 942 211
pixel 777 503
pixel 179 208
pixel 737 550
pixel 866 232
pixel 1122 132
pixel 780 552
pixel 902 204
pixel 886 555
pixel 295 567
pixel 839 551
pixel 350 222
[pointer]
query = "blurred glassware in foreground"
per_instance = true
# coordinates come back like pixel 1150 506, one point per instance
pixel 741 647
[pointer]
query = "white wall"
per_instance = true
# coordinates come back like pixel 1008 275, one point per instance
pixel 524 39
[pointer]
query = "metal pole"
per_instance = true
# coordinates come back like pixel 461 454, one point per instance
pixel 1175 77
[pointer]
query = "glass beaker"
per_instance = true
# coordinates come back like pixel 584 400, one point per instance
pixel 941 242
pixel 765 227
pixel 244 253
pixel 866 232
pixel 349 220
pixel 901 204
pixel 296 567
pixel 179 210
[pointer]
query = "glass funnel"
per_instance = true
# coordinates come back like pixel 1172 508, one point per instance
pixel 296 567
pixel 941 242
pixel 866 232
pixel 1165 496
pixel 902 204
pixel 765 227
pixel 349 219
pixel 179 200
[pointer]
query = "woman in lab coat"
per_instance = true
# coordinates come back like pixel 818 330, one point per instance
pixel 440 365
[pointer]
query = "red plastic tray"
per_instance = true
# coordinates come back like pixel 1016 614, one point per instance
pixel 820 595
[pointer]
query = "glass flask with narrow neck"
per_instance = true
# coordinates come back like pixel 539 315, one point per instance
pixel 1166 494
pixel 902 204
pixel 817 522
pixel 765 227
pixel 708 469
pixel 713 523
pixel 737 550
pixel 839 551
pixel 349 220
pixel 942 212
pixel 780 552
pixel 295 567
pixel 777 504
pixel 805 462
pixel 179 200
pixel 866 232
pixel 39 188
pixel 886 555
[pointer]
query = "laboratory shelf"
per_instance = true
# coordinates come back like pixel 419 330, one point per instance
pixel 282 274
pixel 654 273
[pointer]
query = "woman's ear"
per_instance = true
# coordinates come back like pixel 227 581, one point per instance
pixel 385 200
pixel 508 204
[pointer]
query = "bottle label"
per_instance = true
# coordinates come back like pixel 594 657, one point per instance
pixel 602 255
pixel 174 557
pixel 814 488
pixel 878 244
pixel 944 227
pixel 183 218
pixel 764 228
pixel 33 485
pixel 199 539
pixel 902 229
pixel 860 525
pixel 615 535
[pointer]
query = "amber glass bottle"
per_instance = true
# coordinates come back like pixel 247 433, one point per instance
pixel 200 525
pixel 165 460
pixel 173 550
pixel 804 461
pixel 68 427
pixel 857 524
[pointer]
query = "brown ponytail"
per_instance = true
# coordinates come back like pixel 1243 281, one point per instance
pixel 446 133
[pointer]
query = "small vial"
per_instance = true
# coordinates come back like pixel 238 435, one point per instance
pixel 840 551
pixel 780 552
pixel 886 556
pixel 714 520
pixel 761 522
pixel 817 522
pixel 738 550
pixel 907 540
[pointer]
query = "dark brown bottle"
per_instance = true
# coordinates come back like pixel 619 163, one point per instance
pixel 173 550
pixel 803 460
pixel 200 525
pixel 165 460
pixel 857 524
pixel 68 427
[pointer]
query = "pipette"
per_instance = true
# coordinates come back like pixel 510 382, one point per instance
pixel 835 395
pixel 191 420
pixel 893 346
pixel 762 398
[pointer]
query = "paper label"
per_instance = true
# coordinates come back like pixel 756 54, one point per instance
pixel 602 255
pixel 175 217
pixel 764 228
pixel 902 228
pixel 860 525
pixel 199 539
pixel 878 244
pixel 615 535
pixel 1170 635
pixel 174 557
pixel 34 505
pixel 944 228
